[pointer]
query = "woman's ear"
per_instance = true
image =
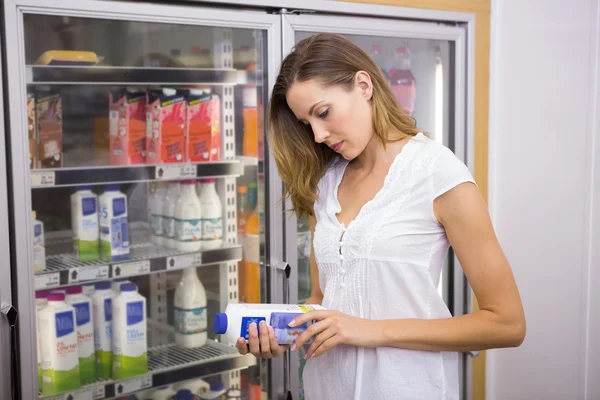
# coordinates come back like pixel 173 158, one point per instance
pixel 364 83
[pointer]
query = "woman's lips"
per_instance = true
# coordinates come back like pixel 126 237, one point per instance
pixel 336 147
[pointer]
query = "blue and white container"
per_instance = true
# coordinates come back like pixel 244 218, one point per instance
pixel 237 318
pixel 114 228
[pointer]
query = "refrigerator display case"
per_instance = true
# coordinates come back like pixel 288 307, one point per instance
pixel 122 120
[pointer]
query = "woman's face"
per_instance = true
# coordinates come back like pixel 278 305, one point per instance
pixel 339 118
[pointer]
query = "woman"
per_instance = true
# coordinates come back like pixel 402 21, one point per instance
pixel 387 202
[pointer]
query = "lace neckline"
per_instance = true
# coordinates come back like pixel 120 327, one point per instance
pixel 398 162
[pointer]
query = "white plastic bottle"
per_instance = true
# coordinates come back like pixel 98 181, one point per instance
pixel 102 312
pixel 88 289
pixel 116 284
pixel 187 218
pixel 158 233
pixel 114 231
pixel 41 300
pixel 235 321
pixel 84 223
pixel 169 206
pixel 60 360
pixel 190 311
pixel 39 244
pixel 196 386
pixel 212 215
pixel 161 393
pixel 215 392
pixel 85 333
pixel 130 335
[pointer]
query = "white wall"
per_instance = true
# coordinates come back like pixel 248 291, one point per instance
pixel 544 118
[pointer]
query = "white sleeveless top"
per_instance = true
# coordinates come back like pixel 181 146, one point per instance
pixel 386 265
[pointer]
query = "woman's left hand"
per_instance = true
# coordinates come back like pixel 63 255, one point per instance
pixel 331 329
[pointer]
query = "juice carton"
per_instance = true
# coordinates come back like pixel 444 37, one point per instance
pixel 203 139
pixel 32 131
pixel 127 126
pixel 50 130
pixel 165 136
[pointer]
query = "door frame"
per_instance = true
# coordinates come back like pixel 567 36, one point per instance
pixel 464 146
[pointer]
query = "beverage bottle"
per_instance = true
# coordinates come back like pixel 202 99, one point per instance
pixel 402 80
pixel 212 215
pixel 377 56
pixel 190 311
pixel 188 214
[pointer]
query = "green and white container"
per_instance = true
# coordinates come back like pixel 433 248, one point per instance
pixel 84 223
pixel 41 301
pixel 58 341
pixel 130 336
pixel 85 333
pixel 102 312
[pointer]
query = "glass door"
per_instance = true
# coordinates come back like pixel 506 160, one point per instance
pixel 425 66
pixel 140 194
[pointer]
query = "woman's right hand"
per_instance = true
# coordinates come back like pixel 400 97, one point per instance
pixel 264 347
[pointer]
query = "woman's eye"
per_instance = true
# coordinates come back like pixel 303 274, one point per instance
pixel 324 114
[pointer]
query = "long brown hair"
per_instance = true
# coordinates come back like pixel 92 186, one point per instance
pixel 332 60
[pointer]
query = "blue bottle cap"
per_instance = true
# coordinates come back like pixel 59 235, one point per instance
pixel 216 386
pixel 220 323
pixel 128 287
pixel 184 394
pixel 111 188
pixel 103 285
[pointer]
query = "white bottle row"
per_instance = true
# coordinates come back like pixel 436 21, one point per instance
pixel 187 215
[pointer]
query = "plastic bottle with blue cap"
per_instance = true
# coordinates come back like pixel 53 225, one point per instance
pixel 130 336
pixel 216 392
pixel 235 321
pixel 114 228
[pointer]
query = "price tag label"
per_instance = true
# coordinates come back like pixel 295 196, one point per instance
pixel 184 261
pixel 42 178
pixel 88 273
pixel 133 385
pixel 82 395
pixel 171 172
pixel 130 269
pixel 47 281
pixel 98 392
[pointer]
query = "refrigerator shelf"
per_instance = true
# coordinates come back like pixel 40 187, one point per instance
pixel 114 75
pixel 167 364
pixel 248 162
pixel 41 178
pixel 63 268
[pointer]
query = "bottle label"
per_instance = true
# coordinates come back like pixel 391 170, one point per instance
pixel 190 321
pixel 88 206
pixel 188 230
pixel 212 228
pixel 405 93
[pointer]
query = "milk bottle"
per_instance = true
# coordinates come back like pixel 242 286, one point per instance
pixel 212 215
pixel 114 232
pixel 60 361
pixel 215 392
pixel 158 233
pixel 39 244
pixel 116 284
pixel 187 218
pixel 85 333
pixel 129 333
pixel 190 311
pixel 102 313
pixel 84 223
pixel 41 300
pixel 235 321
pixel 169 206
pixel 88 289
